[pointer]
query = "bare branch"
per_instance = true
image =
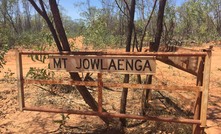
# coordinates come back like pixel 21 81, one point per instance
pixel 43 13
pixel 10 19
pixel 121 9
pixel 36 7
pixel 128 8
pixel 42 6
pixel 148 22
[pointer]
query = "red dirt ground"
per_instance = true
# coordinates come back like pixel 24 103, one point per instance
pixel 14 121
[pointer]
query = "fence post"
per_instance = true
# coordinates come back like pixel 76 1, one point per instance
pixel 205 92
pixel 197 106
pixel 100 87
pixel 20 80
pixel 203 78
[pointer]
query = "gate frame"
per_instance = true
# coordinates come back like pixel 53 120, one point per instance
pixel 201 88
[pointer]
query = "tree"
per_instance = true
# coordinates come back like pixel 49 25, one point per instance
pixel 27 12
pixel 101 27
pixel 162 4
pixel 60 38
pixel 169 24
pixel 198 20
pixel 7 10
pixel 132 36
pixel 130 28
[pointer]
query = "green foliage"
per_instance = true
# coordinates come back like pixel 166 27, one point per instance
pixel 98 34
pixel 2 55
pixel 40 58
pixel 73 28
pixel 37 73
pixel 38 40
pixel 5 42
pixel 195 21
pixel 9 76
pixel 3 48
pixel 169 24
pixel 62 121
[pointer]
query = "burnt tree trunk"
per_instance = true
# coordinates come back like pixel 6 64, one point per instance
pixel 59 33
pixel 162 4
pixel 59 26
pixel 130 28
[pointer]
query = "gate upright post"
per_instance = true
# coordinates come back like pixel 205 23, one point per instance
pixel 201 104
pixel 197 105
pixel 20 80
pixel 100 86
pixel 205 92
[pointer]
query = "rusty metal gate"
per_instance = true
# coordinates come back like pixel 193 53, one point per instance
pixel 181 60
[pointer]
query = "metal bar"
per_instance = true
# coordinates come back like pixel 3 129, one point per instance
pixel 111 115
pixel 100 86
pixel 60 111
pixel 20 81
pixel 125 85
pixel 116 53
pixel 42 52
pixel 154 87
pixel 70 82
pixel 164 119
pixel 168 62
pixel 197 106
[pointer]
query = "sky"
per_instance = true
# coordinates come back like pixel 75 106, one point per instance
pixel 70 9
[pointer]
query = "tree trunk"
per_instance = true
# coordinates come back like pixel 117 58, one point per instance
pixel 154 46
pixel 88 98
pixel 43 13
pixel 128 47
pixel 162 4
pixel 59 25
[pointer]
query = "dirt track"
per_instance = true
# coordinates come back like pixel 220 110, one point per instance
pixel 14 121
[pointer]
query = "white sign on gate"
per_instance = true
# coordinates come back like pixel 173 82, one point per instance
pixel 111 64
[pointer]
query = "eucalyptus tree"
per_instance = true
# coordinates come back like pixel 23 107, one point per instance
pixel 27 14
pixel 8 10
pixel 8 27
pixel 215 14
pixel 198 20
pixel 59 35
